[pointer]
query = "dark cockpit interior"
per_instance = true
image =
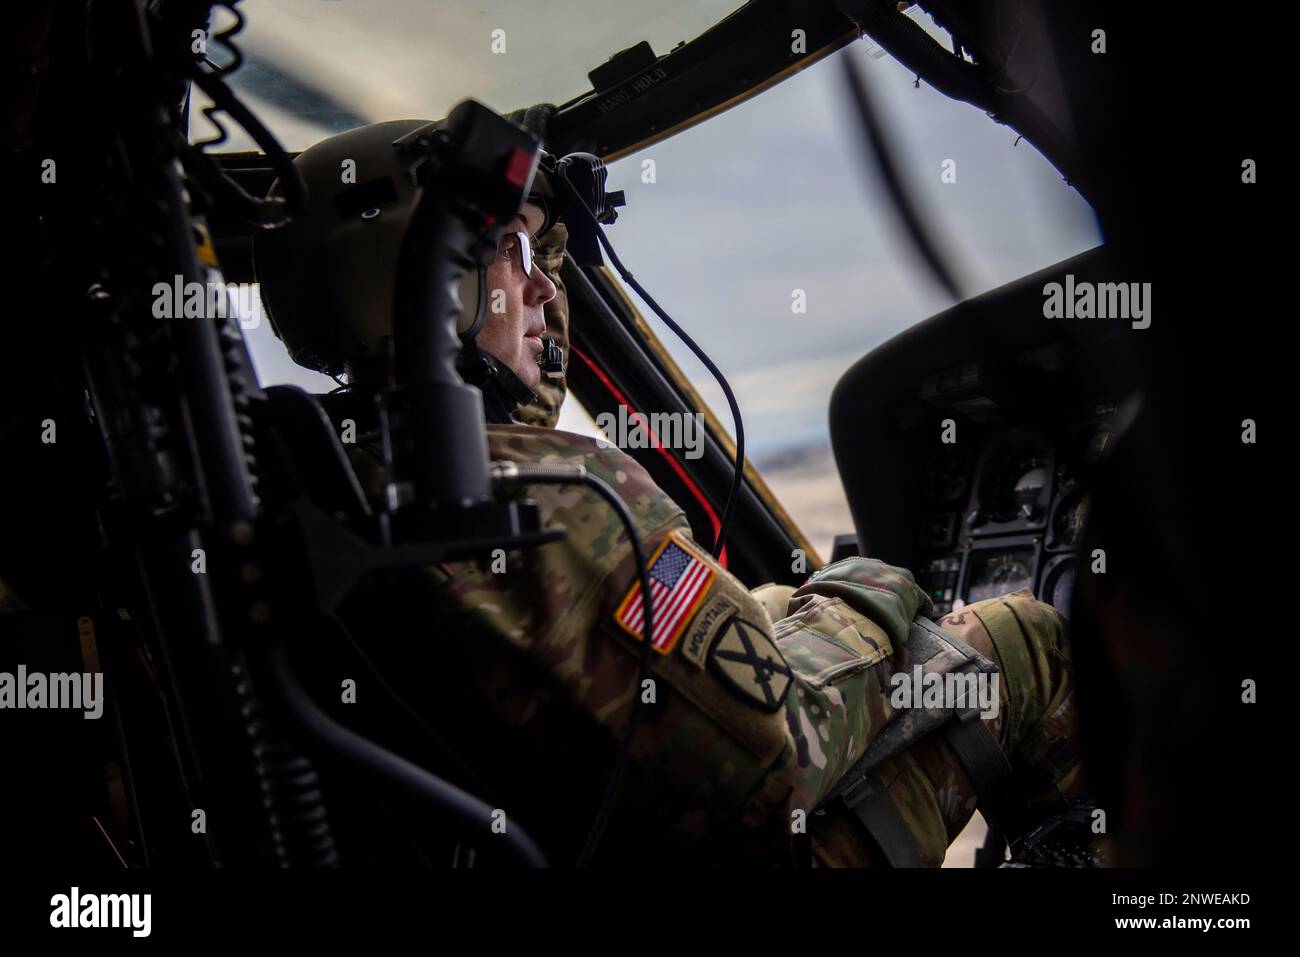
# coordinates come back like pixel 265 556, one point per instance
pixel 1077 432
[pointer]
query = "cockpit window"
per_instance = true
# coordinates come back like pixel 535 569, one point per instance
pixel 317 67
pixel 766 234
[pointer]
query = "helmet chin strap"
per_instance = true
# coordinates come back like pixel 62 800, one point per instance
pixel 503 391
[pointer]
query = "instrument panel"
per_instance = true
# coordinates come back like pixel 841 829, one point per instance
pixel 1008 511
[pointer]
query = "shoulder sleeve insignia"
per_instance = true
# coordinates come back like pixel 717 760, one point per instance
pixel 679 580
pixel 749 663
pixel 714 614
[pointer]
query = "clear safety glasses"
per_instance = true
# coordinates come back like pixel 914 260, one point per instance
pixel 518 248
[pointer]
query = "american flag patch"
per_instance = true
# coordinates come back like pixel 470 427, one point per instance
pixel 678 583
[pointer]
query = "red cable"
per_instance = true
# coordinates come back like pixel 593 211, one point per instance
pixel 120 859
pixel 658 445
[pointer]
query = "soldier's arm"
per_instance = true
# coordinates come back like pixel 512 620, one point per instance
pixel 843 638
pixel 925 794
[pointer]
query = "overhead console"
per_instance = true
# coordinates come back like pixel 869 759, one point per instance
pixel 965 444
